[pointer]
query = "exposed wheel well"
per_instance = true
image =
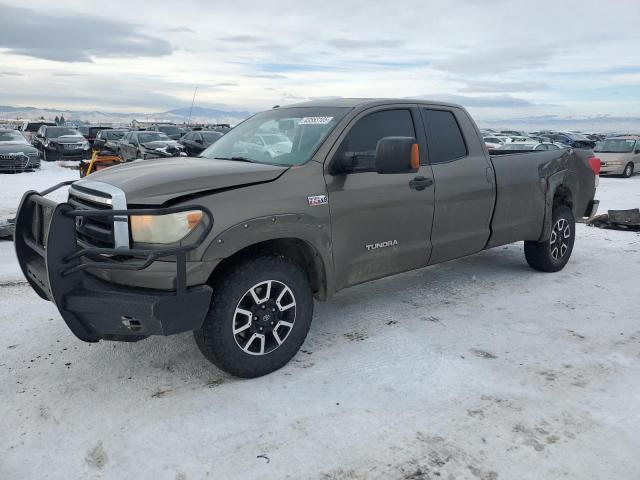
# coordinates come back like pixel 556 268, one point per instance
pixel 562 196
pixel 299 251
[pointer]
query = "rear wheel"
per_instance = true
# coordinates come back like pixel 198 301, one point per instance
pixel 628 170
pixel 553 254
pixel 259 317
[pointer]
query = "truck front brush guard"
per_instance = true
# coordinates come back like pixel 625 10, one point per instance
pixel 55 265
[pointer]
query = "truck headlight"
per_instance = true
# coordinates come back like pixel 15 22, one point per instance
pixel 164 229
pixel 85 145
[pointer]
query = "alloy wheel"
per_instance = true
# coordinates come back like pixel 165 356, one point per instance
pixel 560 237
pixel 264 317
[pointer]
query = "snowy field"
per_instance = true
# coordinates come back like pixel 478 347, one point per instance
pixel 480 368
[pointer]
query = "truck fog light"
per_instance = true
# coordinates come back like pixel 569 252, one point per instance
pixel 164 229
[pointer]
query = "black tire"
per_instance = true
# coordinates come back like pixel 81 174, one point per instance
pixel 628 170
pixel 222 346
pixel 553 254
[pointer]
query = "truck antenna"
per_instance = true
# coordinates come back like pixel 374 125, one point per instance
pixel 191 109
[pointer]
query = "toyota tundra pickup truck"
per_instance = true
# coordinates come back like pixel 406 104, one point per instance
pixel 237 243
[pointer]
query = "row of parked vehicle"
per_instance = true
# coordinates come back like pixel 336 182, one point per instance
pixel 33 141
pixel 619 154
pixel 22 148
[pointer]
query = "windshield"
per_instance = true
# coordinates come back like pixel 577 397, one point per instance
pixel 615 146
pixel 55 132
pixel 35 126
pixel 284 136
pixel 152 137
pixel 273 139
pixel 12 136
pixel 211 136
pixel 170 130
pixel 113 134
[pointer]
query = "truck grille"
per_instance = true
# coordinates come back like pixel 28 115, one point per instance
pixel 94 231
pixel 17 161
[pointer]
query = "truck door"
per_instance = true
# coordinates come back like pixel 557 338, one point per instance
pixel 463 175
pixel 380 222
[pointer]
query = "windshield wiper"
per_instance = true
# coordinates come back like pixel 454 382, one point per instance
pixel 236 159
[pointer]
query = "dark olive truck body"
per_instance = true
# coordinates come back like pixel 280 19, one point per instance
pixel 367 225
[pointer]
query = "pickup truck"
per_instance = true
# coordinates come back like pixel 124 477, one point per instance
pixel 236 244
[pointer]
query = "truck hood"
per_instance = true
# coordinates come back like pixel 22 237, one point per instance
pixel 154 182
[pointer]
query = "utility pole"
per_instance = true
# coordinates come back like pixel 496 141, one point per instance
pixel 192 102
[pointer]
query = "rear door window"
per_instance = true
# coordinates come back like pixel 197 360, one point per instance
pixel 446 142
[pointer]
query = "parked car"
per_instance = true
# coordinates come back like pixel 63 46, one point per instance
pixel 29 128
pixel 570 139
pixel 170 131
pixel 16 153
pixel 620 155
pixel 370 188
pixel 148 144
pixel 90 132
pixel 540 139
pixel 61 143
pixel 195 142
pixel 521 146
pixel 264 145
pixel 493 142
pixel 109 139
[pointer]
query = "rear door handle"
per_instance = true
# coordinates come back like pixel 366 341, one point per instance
pixel 420 183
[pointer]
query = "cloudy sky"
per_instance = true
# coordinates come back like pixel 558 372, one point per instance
pixel 501 58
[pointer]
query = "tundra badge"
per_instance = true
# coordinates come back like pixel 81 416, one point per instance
pixel 375 246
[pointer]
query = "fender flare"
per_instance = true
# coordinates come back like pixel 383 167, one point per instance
pixel 564 178
pixel 292 226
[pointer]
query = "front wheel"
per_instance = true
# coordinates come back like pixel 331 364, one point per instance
pixel 259 316
pixel 553 254
pixel 628 170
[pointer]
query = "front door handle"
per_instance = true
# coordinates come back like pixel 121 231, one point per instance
pixel 420 183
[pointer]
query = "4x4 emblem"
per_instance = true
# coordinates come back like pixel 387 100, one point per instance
pixel 315 200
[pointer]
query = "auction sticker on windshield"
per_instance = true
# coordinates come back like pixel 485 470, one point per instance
pixel 314 120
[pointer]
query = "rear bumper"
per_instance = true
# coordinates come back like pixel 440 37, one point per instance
pixel 611 169
pixel 94 309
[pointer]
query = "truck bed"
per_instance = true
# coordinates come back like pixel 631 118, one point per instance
pixel 523 180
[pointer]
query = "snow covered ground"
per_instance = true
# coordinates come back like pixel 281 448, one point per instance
pixel 479 368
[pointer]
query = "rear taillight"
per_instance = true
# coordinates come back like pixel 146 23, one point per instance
pixel 594 163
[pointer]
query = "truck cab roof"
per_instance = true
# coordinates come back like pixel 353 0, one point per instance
pixel 368 102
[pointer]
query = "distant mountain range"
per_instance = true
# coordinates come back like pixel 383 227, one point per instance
pixel 178 115
pixel 604 123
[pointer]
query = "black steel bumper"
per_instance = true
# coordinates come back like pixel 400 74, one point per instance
pixel 58 269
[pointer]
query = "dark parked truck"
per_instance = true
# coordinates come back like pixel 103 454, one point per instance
pixel 235 245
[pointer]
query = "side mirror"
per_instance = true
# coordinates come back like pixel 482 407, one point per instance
pixel 397 155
